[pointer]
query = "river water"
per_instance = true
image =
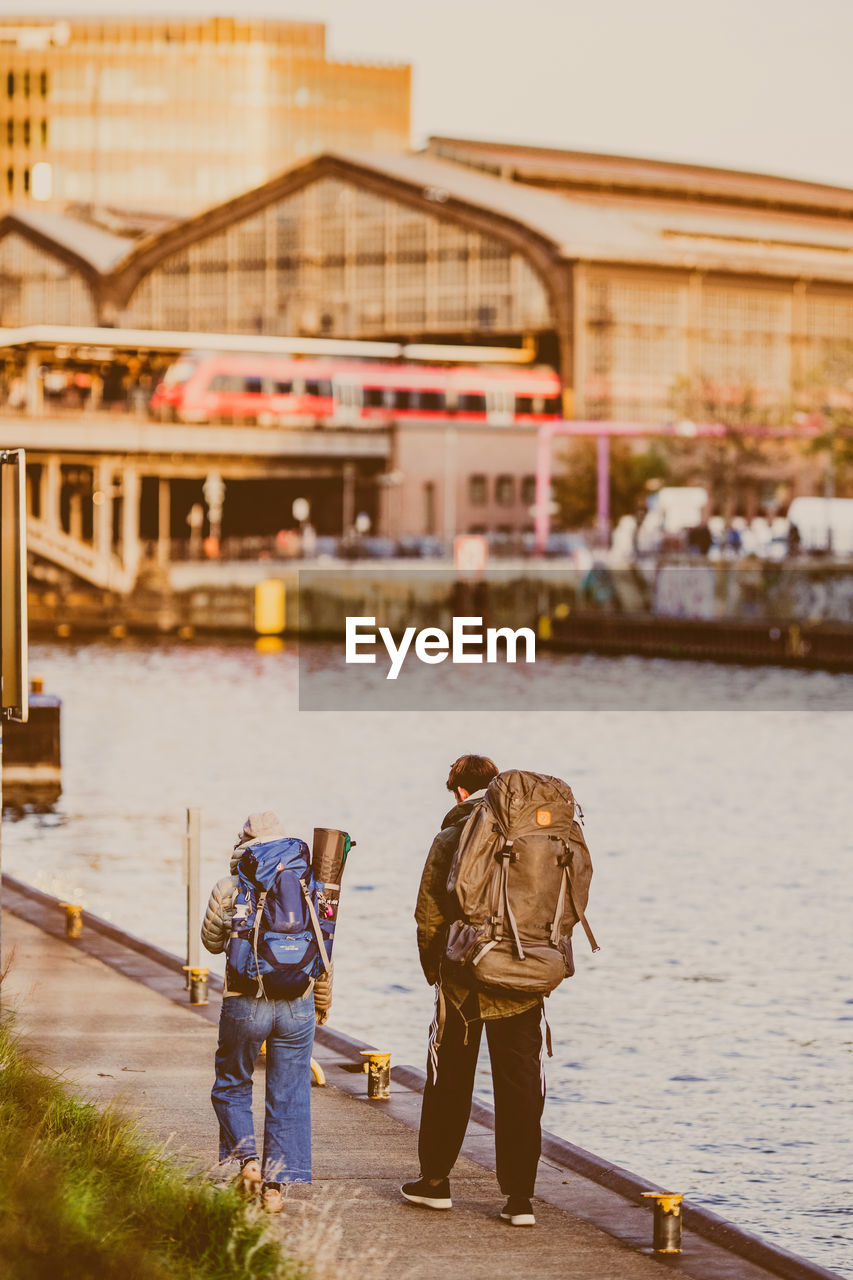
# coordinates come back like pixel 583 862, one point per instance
pixel 708 1046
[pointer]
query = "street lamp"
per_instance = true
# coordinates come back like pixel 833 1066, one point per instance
pixel 214 495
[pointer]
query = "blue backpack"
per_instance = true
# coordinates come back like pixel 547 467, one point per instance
pixel 278 942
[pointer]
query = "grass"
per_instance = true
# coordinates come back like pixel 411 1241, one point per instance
pixel 84 1196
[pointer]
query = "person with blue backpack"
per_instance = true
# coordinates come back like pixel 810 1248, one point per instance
pixel 266 916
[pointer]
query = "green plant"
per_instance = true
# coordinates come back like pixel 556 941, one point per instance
pixel 84 1195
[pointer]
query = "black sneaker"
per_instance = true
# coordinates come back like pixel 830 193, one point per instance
pixel 518 1212
pixel 432 1195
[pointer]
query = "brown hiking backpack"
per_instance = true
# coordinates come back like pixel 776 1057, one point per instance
pixel 521 876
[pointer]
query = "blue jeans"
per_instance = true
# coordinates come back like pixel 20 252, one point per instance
pixel 288 1028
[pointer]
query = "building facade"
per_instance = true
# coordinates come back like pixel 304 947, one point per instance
pixel 143 112
pixel 659 292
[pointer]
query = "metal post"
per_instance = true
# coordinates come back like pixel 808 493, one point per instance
pixel 667 1224
pixel 193 870
pixel 603 490
pixel 348 498
pixel 73 919
pixel 542 516
pixel 164 520
pixel 378 1068
pixel 14 693
pixel 449 485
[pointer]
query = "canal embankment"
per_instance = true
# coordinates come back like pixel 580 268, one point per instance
pixel 796 614
pixel 111 1013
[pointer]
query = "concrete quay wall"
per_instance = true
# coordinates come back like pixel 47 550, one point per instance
pixel 797 614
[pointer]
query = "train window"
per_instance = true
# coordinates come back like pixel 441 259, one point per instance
pixel 472 404
pixel 283 388
pixel 523 404
pixel 253 386
pixel 477 491
pixel 553 405
pixel 179 372
pixel 432 400
pixel 374 397
pixel 405 399
pixel 320 388
pixel 232 382
pixel 505 491
pixel 528 490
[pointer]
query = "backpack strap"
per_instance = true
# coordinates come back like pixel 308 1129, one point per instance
pixel 561 906
pixel 505 907
pixel 580 915
pixel 255 931
pixel 315 924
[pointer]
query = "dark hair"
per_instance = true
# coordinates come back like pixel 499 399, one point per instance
pixel 471 772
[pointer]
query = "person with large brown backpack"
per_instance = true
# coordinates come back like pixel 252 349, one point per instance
pixel 505 881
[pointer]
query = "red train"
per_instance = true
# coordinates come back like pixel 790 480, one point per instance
pixel 280 390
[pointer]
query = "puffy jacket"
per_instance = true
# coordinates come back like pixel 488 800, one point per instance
pixel 216 928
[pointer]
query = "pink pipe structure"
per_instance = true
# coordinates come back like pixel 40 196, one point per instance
pixel 602 432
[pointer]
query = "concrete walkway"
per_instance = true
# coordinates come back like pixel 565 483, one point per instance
pixel 116 1038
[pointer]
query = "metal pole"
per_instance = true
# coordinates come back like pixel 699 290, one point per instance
pixel 449 486
pixel 603 486
pixel 542 517
pixel 193 870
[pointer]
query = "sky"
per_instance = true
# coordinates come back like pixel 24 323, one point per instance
pixel 763 85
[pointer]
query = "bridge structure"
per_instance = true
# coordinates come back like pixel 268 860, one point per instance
pixel 106 493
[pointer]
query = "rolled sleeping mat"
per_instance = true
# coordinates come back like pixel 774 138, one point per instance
pixel 328 858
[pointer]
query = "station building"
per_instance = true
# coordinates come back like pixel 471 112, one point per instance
pixel 634 279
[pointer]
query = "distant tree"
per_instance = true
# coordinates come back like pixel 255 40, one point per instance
pixel 826 396
pixel 576 486
pixel 724 465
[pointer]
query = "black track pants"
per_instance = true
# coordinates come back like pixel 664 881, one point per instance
pixel 515 1047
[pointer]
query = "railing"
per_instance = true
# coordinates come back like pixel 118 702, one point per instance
pixel 78 557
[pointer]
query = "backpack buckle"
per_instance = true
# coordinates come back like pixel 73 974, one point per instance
pixel 564 859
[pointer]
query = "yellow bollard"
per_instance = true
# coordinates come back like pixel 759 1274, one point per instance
pixel 544 628
pixel 197 983
pixel 73 919
pixel 269 607
pixel 378 1068
pixel 318 1073
pixel 667 1227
